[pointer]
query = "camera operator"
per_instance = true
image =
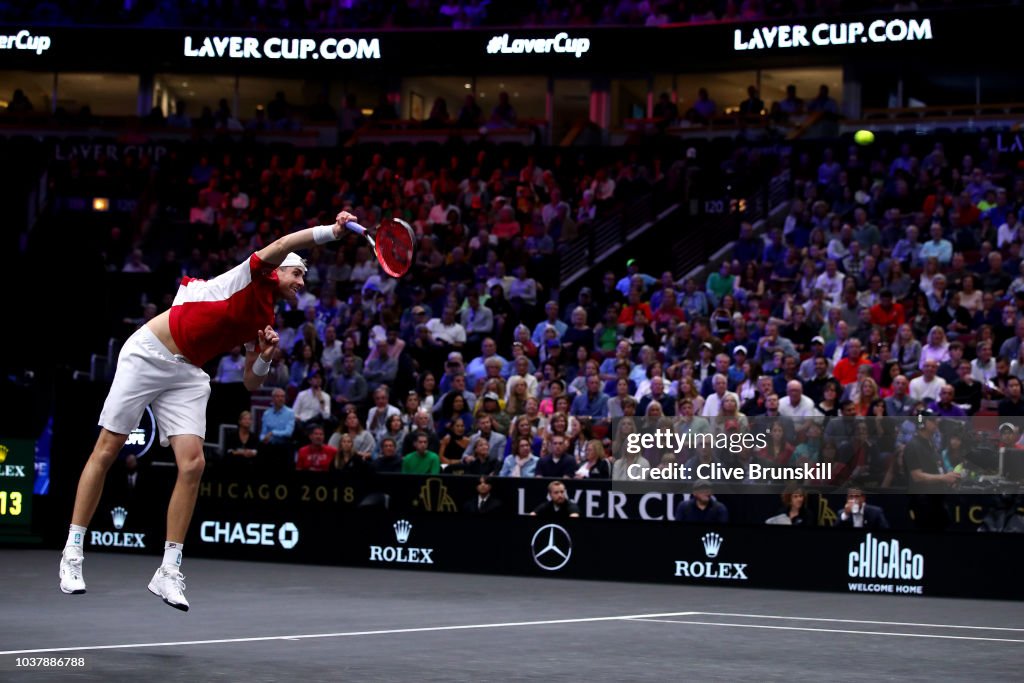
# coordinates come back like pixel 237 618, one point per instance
pixel 928 478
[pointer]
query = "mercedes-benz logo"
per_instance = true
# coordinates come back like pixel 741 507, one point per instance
pixel 552 547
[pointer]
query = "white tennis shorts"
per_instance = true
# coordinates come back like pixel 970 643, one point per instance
pixel 149 374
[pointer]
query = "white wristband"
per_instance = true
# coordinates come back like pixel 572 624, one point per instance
pixel 260 367
pixel 322 234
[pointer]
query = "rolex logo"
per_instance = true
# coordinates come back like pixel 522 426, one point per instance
pixel 118 514
pixel 704 569
pixel 401 553
pixel 712 544
pixel 118 539
pixel 3 453
pixel 402 529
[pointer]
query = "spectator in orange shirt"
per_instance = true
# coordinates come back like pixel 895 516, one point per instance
pixel 887 314
pixel 668 314
pixel 846 370
pixel 632 306
pixel 315 456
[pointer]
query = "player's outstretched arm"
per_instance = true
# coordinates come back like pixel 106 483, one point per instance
pixel 275 252
pixel 257 361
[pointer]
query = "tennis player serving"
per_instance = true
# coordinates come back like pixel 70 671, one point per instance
pixel 161 365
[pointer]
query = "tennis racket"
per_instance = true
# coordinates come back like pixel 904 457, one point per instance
pixel 393 243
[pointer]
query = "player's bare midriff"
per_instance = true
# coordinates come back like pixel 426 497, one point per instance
pixel 161 327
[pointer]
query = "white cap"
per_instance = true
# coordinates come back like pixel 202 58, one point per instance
pixel 293 259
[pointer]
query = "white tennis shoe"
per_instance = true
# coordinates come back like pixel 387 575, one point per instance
pixel 168 584
pixel 71 580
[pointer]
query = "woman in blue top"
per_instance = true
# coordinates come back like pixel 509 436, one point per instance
pixel 523 463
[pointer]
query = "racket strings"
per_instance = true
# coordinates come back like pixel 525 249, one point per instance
pixel 394 247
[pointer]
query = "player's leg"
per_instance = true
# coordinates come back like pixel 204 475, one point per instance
pixel 137 381
pixel 168 582
pixel 188 453
pixel 90 484
pixel 90 489
pixel 181 415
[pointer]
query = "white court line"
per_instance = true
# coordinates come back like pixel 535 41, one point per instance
pixel 825 630
pixel 858 621
pixel 426 629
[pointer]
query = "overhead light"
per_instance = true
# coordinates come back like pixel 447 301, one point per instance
pixel 184 84
pixel 467 86
pixel 100 204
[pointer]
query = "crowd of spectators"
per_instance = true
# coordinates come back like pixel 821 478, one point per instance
pixel 458 14
pixel 842 312
pixel 891 289
pixel 471 313
pixel 482 213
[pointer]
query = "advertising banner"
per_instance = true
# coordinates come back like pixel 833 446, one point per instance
pixel 420 523
pixel 595 51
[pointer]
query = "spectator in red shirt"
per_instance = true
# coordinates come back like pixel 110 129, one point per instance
pixel 965 213
pixel 506 226
pixel 846 369
pixel 668 313
pixel 634 304
pixel 315 456
pixel 887 314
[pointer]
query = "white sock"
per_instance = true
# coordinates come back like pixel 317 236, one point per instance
pixel 172 554
pixel 76 538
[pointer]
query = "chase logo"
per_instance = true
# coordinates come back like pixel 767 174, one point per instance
pixel 250 534
pixel 288 535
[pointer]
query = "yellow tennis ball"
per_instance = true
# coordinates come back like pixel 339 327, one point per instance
pixel 864 137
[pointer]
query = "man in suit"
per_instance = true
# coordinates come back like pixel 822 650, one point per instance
pixel 858 514
pixel 483 503
pixel 126 482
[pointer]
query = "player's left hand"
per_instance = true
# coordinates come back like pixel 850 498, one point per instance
pixel 268 340
pixel 340 221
